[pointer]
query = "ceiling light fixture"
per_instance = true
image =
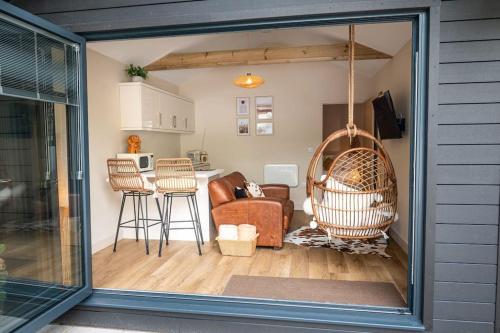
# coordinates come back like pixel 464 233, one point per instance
pixel 249 81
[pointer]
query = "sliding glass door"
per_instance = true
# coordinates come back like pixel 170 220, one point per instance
pixel 43 215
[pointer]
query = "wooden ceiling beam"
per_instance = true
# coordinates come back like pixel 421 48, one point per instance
pixel 260 56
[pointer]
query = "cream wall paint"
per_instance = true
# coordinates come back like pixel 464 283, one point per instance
pixel 395 76
pixel 299 91
pixel 106 139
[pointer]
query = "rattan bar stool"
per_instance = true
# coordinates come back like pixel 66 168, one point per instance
pixel 175 178
pixel 124 176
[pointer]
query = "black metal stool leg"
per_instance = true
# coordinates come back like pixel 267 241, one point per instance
pixel 147 224
pixel 169 214
pixel 193 221
pixel 136 220
pixel 197 214
pixel 119 220
pixel 163 222
pixel 140 209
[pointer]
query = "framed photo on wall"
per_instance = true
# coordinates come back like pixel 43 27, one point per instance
pixel 242 106
pixel 264 115
pixel 264 128
pixel 243 126
pixel 264 108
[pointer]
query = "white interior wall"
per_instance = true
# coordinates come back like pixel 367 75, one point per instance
pixel 395 76
pixel 106 139
pixel 299 91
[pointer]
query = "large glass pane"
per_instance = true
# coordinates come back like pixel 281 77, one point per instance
pixel 40 220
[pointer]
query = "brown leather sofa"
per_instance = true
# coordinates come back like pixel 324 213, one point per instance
pixel 271 214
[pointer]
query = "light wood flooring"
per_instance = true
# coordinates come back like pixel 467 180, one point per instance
pixel 181 270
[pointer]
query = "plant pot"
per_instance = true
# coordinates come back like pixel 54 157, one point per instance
pixel 137 79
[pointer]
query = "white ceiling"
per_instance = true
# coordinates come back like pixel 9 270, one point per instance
pixel 385 37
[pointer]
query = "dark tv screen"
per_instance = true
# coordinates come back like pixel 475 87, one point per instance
pixel 385 117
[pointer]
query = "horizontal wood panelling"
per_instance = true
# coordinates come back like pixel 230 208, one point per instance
pixel 469 134
pixel 469 113
pixel 470 30
pixel 183 13
pixel 469 93
pixel 464 311
pixel 477 273
pixel 468 194
pixel 466 254
pixel 469 51
pixel 454 326
pixel 467 10
pixel 469 72
pixel 466 234
pixel 39 7
pixel 465 292
pixel 468 154
pixel 468 174
pixel 467 214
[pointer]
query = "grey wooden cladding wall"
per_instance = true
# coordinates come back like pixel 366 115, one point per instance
pixel 468 147
pixel 468 170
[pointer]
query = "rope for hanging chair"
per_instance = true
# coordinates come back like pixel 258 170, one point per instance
pixel 351 127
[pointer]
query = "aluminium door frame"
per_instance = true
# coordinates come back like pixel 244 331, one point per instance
pixel 86 290
pixel 423 104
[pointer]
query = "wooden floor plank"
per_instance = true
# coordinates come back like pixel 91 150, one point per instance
pixel 182 270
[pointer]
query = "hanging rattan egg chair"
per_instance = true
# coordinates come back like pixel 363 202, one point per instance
pixel 357 197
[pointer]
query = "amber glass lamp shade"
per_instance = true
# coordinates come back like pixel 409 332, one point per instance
pixel 249 81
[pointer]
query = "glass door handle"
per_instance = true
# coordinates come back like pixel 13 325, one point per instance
pixel 5 181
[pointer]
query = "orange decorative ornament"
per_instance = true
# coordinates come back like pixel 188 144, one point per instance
pixel 134 144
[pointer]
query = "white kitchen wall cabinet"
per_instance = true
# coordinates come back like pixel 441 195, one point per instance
pixel 144 107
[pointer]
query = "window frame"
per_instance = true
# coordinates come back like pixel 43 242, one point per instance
pixel 411 318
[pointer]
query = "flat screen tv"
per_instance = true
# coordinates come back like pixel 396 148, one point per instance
pixel 385 117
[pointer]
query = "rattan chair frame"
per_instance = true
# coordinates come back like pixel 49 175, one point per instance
pixel 175 175
pixel 385 184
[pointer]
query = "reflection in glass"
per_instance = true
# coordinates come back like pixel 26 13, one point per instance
pixel 40 226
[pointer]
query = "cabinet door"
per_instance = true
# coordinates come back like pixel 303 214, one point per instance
pixel 169 120
pixel 165 121
pixel 188 116
pixel 150 107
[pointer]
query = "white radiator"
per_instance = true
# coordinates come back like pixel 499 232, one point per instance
pixel 281 174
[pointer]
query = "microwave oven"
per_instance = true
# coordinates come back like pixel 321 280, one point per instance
pixel 144 161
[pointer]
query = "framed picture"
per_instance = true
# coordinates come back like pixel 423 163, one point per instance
pixel 264 128
pixel 242 106
pixel 264 108
pixel 243 126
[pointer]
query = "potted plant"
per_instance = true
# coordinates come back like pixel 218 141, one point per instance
pixel 137 73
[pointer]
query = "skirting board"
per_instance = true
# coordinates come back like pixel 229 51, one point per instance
pixel 401 242
pixel 103 243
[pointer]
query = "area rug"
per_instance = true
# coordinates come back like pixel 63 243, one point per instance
pixel 308 237
pixel 315 290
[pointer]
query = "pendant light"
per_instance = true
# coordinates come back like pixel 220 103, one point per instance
pixel 249 81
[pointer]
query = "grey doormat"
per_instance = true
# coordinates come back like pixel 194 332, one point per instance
pixel 308 237
pixel 315 290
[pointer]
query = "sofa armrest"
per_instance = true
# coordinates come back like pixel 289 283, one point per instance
pixel 265 213
pixel 276 191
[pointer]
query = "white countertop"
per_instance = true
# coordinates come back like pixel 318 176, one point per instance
pixel 199 174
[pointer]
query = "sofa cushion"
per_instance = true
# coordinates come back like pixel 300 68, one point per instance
pixel 240 193
pixel 236 179
pixel 221 191
pixel 254 190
